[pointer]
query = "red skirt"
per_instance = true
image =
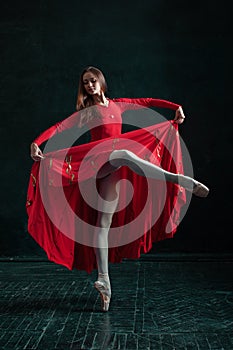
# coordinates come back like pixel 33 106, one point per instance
pixel 63 198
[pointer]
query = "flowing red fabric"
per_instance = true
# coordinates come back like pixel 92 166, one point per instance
pixel 51 222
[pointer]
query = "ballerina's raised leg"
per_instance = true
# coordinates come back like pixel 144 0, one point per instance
pixel 142 167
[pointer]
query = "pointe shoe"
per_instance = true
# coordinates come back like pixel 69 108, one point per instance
pixel 104 289
pixel 193 186
pixel 200 190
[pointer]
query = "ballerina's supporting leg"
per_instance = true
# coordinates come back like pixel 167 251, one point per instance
pixel 142 167
pixel 109 191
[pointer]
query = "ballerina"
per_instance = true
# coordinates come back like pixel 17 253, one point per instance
pixel 92 92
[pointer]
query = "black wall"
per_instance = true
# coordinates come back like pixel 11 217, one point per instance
pixel 176 50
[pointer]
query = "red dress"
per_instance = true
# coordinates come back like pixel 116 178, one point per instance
pixel 60 217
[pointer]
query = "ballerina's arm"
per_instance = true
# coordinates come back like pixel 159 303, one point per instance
pixel 57 128
pixel 137 103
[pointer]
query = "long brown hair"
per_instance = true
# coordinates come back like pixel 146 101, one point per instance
pixel 84 99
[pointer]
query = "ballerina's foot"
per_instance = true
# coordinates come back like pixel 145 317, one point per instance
pixel 105 294
pixel 200 190
pixel 193 186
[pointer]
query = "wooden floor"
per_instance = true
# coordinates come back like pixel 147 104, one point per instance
pixel 155 305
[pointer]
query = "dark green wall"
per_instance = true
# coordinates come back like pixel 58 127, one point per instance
pixel 176 50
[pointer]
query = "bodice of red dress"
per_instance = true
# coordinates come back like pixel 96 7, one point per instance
pixel 109 124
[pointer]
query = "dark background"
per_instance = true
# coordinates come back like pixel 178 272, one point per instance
pixel 175 50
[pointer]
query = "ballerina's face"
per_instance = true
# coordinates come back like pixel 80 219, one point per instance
pixel 91 84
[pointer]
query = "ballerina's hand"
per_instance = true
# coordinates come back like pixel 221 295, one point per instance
pixel 36 152
pixel 179 116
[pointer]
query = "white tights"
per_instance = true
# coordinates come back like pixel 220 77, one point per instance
pixel 109 190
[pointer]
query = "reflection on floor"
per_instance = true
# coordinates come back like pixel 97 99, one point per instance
pixel 155 305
